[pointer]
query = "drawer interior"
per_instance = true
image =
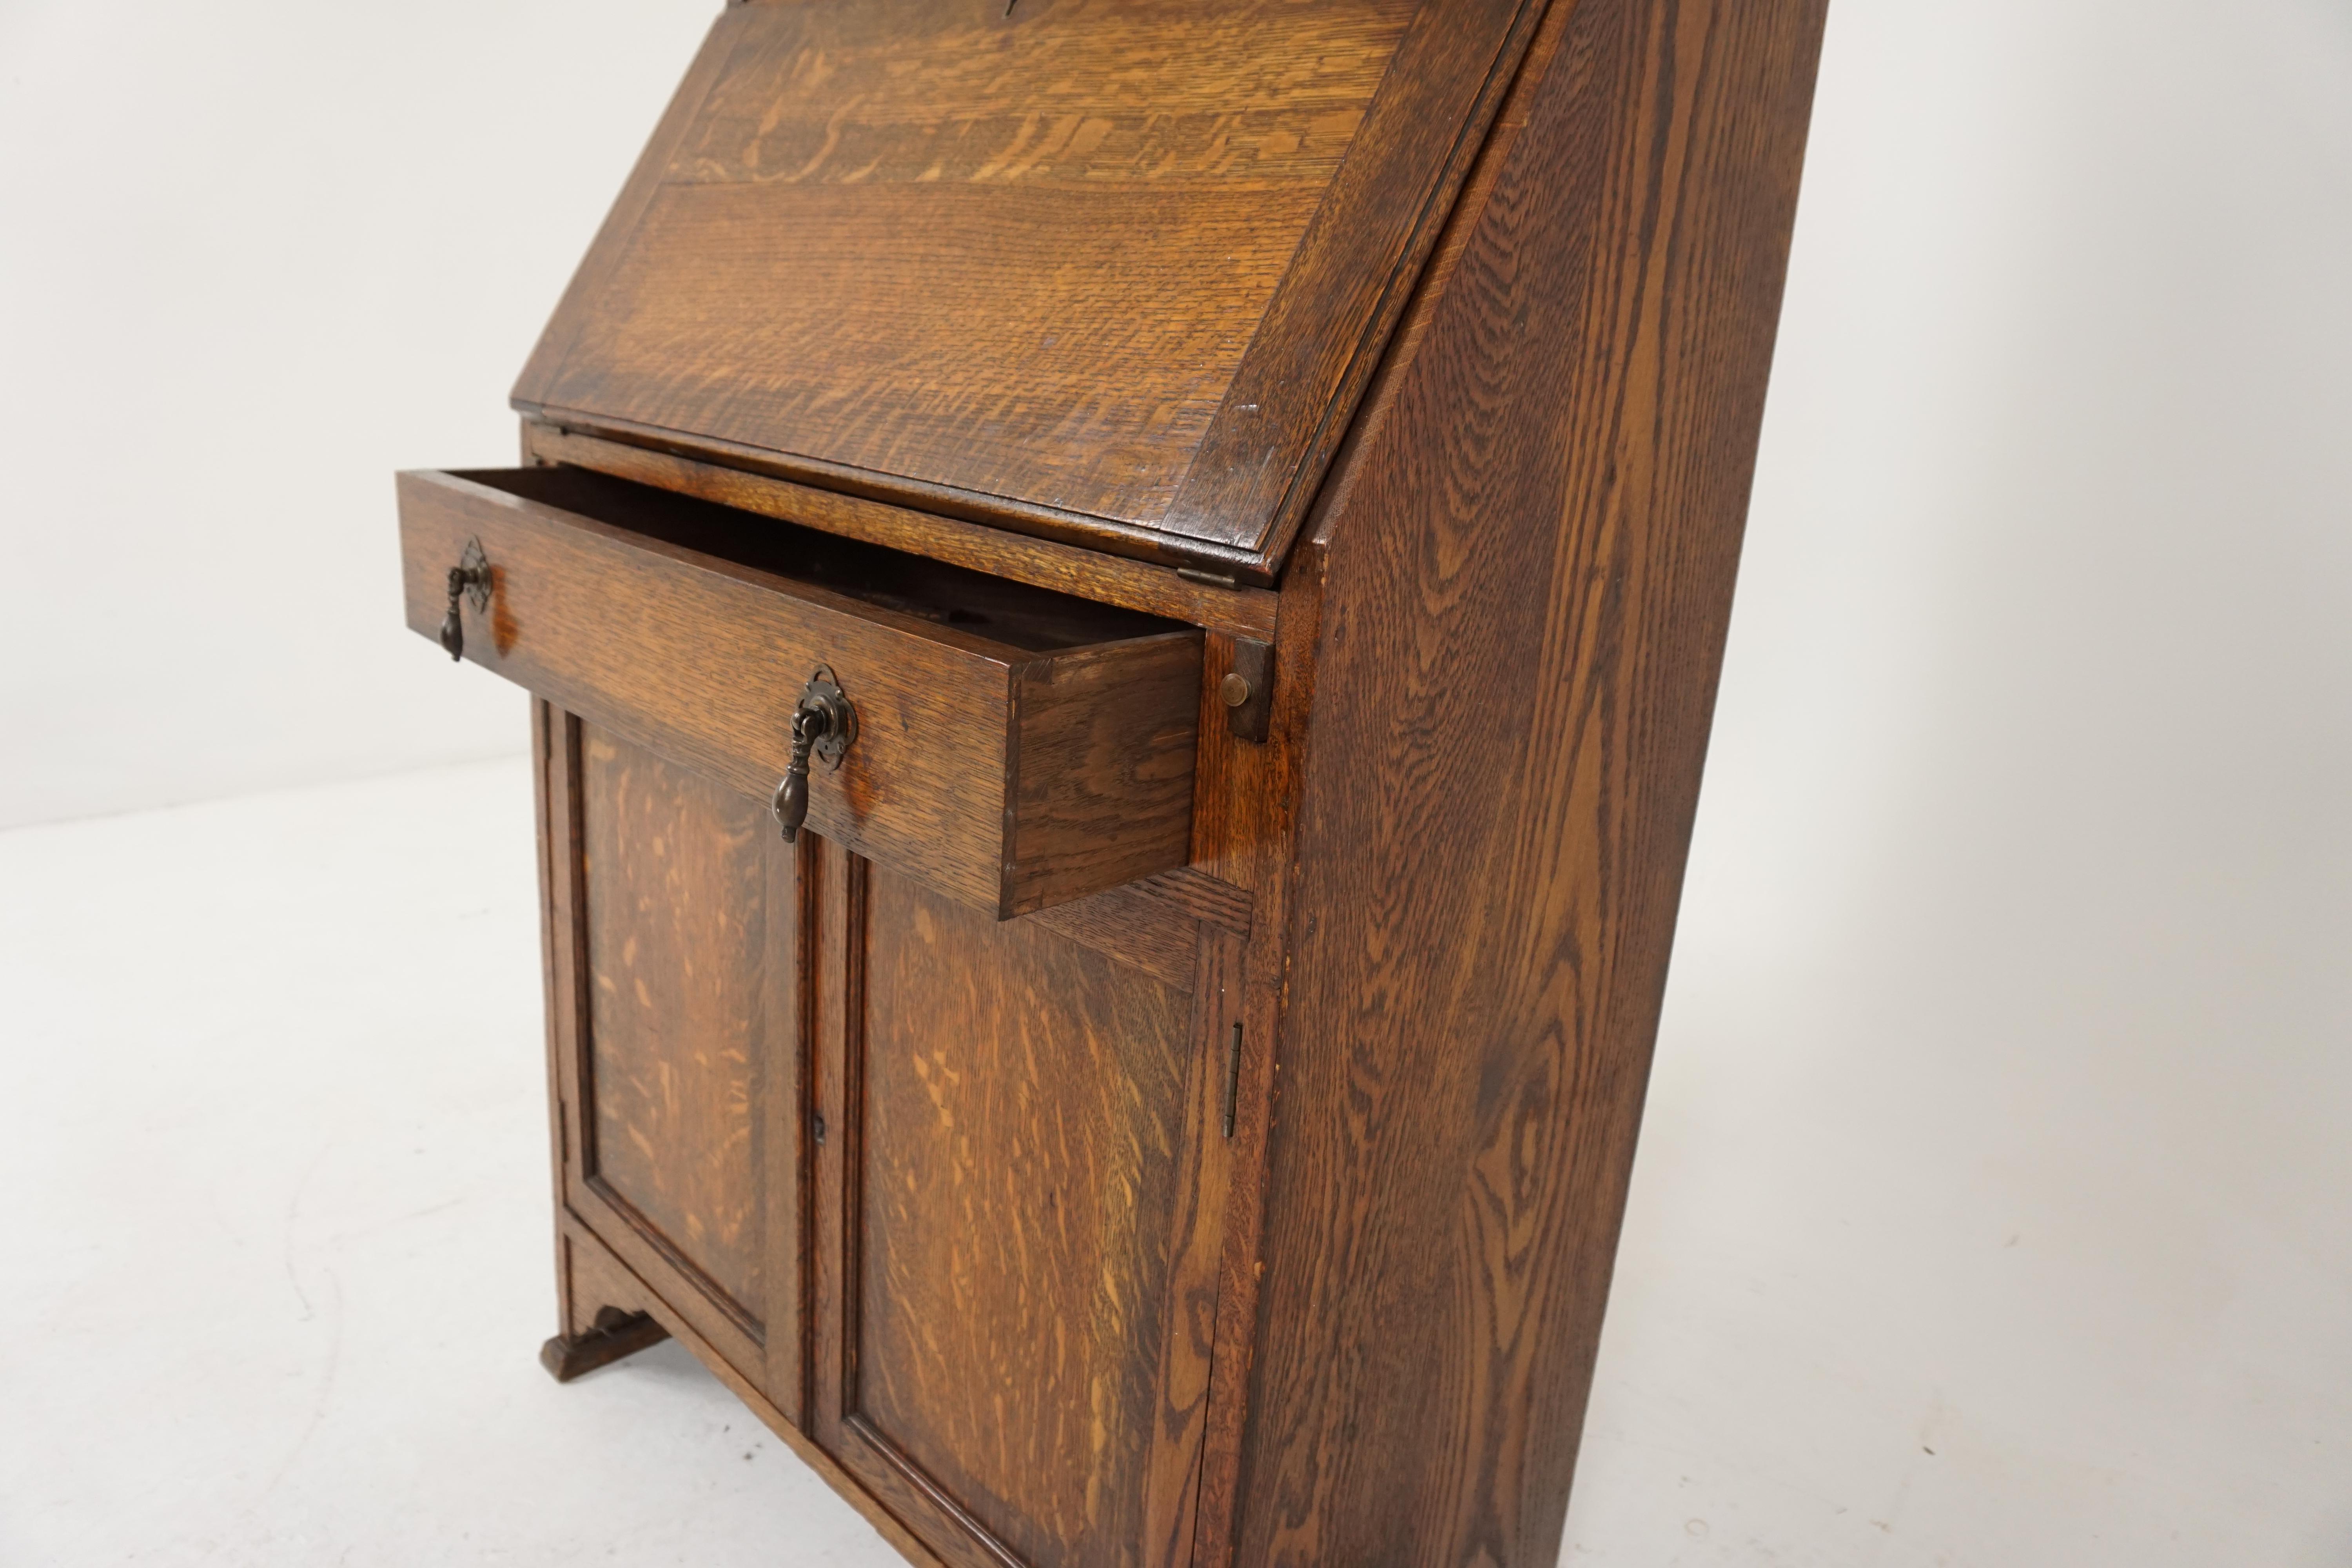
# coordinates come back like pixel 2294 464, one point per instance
pixel 1016 614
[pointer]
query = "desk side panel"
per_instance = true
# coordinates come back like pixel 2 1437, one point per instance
pixel 1530 559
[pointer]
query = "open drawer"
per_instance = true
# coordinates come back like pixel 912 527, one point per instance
pixel 1013 747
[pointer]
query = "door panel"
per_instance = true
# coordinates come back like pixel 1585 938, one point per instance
pixel 1019 1253
pixel 678 941
pixel 947 1190
pixel 684 1028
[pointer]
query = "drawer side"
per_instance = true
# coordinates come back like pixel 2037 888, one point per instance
pixel 1104 741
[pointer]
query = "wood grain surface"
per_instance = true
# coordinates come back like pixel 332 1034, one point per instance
pixel 1529 575
pixel 1111 270
pixel 681 1043
pixel 1024 1223
pixel 643 859
pixel 1102 751
pixel 1197 1231
pixel 1129 926
pixel 1015 748
pixel 1256 840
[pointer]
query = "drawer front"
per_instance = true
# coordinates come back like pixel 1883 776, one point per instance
pixel 1009 777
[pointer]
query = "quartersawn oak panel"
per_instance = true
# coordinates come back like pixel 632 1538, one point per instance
pixel 768 1348
pixel 1051 426
pixel 1083 93
pixel 1089 268
pixel 1023 1187
pixel 680 1042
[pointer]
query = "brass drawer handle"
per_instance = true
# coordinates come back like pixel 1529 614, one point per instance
pixel 825 722
pixel 470 578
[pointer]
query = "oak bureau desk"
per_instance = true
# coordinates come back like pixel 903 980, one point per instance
pixel 1123 599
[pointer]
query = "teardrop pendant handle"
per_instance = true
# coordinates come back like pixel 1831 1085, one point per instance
pixel 470 577
pixel 824 723
pixel 792 795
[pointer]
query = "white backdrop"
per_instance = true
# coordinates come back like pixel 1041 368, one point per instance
pixel 1992 1202
pixel 255 255
pixel 1994 1205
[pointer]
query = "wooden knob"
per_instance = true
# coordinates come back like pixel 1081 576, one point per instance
pixel 1235 690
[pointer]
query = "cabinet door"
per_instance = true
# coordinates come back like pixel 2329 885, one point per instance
pixel 675 964
pixel 1020 1205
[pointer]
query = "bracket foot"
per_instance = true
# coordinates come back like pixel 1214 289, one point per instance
pixel 616 1334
